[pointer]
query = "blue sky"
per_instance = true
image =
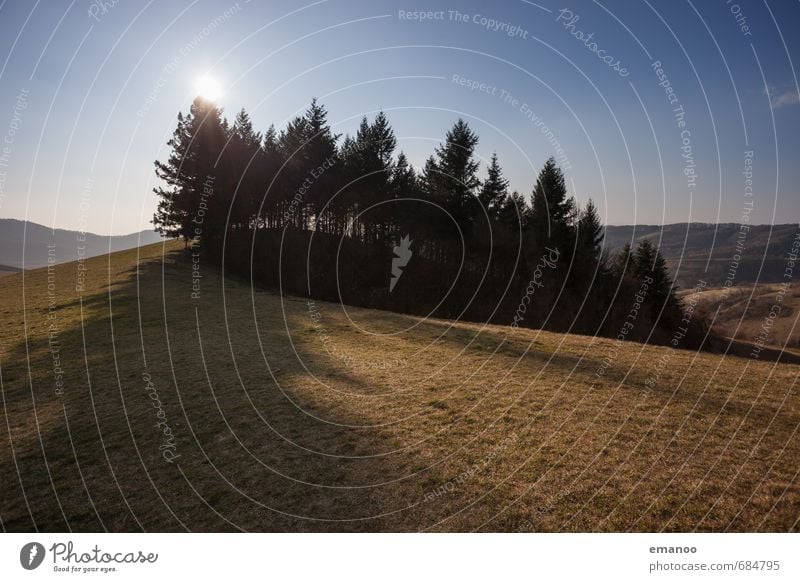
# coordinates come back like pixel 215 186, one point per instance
pixel 89 94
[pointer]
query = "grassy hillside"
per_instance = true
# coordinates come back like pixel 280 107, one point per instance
pixel 151 409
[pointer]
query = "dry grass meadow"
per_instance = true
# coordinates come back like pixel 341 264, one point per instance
pixel 291 417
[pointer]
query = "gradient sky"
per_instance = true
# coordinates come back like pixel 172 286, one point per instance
pixel 89 95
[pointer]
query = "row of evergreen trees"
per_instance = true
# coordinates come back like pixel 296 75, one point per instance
pixel 319 215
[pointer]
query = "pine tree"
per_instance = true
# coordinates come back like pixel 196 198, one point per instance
pixel 322 161
pixel 243 130
pixel 383 141
pixel 404 178
pixel 430 178
pixel 292 139
pixel 457 169
pixel 266 196
pixel 187 203
pixel 383 144
pixel 588 280
pixel 650 267
pixel 368 169
pixel 213 180
pixel 404 184
pixel 624 262
pixel 590 233
pixel 270 142
pixel 309 152
pixel 552 211
pixel 320 141
pixel 451 182
pixel 172 217
pixel 649 263
pixel 247 169
pixel 495 188
pixel 515 212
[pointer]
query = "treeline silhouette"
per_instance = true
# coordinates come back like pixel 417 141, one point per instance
pixel 349 219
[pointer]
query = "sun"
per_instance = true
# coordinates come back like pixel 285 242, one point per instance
pixel 208 88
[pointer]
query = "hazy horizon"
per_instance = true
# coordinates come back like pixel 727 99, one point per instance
pixel 150 229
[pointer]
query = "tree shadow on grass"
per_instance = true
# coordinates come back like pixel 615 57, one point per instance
pixel 710 398
pixel 260 443
pixel 141 359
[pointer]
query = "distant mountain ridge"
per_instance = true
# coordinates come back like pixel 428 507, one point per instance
pixel 34 239
pixel 714 252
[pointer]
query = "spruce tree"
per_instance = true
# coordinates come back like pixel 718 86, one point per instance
pixel 588 280
pixel 458 170
pixel 383 140
pixel 495 188
pixel 650 267
pixel 589 264
pixel 624 262
pixel 649 263
pixel 172 216
pixel 404 185
pixel 552 211
pixel 187 203
pixel 451 182
pixel 270 141
pixel 247 169
pixel 590 230
pixel 404 178
pixel 322 160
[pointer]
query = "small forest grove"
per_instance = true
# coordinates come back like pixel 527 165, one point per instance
pixel 348 219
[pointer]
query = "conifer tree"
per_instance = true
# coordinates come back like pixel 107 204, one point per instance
pixel 495 188
pixel 404 178
pixel 649 263
pixel 383 140
pixel 289 178
pixel 172 217
pixel 270 142
pixel 322 162
pixel 590 231
pixel 457 170
pixel 451 181
pixel 623 263
pixel 247 166
pixel 552 211
pixel 383 144
pixel 404 185
pixel 650 266
pixel 589 266
pixel 193 163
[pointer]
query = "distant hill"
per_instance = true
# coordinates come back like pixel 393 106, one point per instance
pixel 708 250
pixel 753 314
pixel 6 270
pixel 70 245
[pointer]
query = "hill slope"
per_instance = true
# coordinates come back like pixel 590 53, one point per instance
pixel 237 409
pixel 66 245
pixel 6 270
pixel 705 251
pixel 764 313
